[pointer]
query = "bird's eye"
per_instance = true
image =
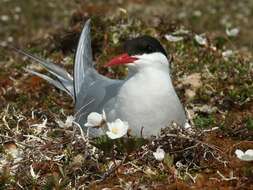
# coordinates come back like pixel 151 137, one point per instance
pixel 148 48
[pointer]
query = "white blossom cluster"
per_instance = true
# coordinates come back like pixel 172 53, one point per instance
pixel 115 129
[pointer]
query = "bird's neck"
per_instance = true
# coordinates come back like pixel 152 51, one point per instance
pixel 148 79
pixel 148 73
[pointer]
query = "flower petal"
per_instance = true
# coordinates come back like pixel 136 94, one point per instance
pixel 117 129
pixel 239 153
pixel 246 157
pixel 232 32
pixel 226 54
pixel 94 119
pixel 200 39
pixel 172 38
pixel 69 121
pixel 159 154
pixel 187 125
pixel 249 152
pixel 112 135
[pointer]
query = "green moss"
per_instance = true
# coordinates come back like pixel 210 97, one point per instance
pixel 122 145
pixel 220 41
pixel 103 143
pixel 160 177
pixel 56 133
pixel 22 99
pixel 55 182
pixel 240 94
pixel 249 123
pixel 204 121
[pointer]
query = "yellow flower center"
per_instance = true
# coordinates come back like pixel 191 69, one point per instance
pixel 115 130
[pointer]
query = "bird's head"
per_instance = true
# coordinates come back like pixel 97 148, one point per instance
pixel 142 52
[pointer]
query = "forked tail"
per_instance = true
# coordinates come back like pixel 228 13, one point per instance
pixel 61 78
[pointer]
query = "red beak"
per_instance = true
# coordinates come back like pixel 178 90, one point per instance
pixel 121 60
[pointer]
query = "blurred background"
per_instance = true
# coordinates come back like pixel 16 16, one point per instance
pixel 29 21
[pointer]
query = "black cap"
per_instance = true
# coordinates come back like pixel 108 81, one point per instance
pixel 143 44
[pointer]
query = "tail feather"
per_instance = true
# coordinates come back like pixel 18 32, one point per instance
pixel 52 68
pixel 57 83
pixel 63 80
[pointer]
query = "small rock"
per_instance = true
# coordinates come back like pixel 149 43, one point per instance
pixel 194 80
pixel 189 93
pixel 12 149
pixel 4 18
pixel 173 38
pixel 205 109
pixel 193 83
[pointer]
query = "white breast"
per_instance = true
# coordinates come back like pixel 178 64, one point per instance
pixel 148 100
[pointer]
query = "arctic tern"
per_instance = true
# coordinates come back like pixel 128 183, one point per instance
pixel 146 98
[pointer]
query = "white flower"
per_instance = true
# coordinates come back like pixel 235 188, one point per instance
pixel 232 32
pixel 172 38
pixel 4 18
pixel 226 54
pixel 95 119
pixel 245 156
pixel 117 129
pixel 200 39
pixel 159 154
pixel 3 43
pixel 68 123
pixel 197 13
pixel 187 125
pixel 17 9
pixel 10 39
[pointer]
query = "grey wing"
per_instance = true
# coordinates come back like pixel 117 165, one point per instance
pixel 96 97
pixel 83 60
pixel 92 90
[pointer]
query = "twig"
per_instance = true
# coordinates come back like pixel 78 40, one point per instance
pixel 84 106
pixel 198 141
pixel 4 136
pixel 81 130
pixel 34 137
pixel 212 129
pixel 231 177
pixel 111 171
pixel 188 148
pixel 192 178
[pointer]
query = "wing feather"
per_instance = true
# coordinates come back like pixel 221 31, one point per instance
pixel 83 58
pixel 56 83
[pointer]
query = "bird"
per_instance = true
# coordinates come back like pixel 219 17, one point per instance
pixel 146 98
